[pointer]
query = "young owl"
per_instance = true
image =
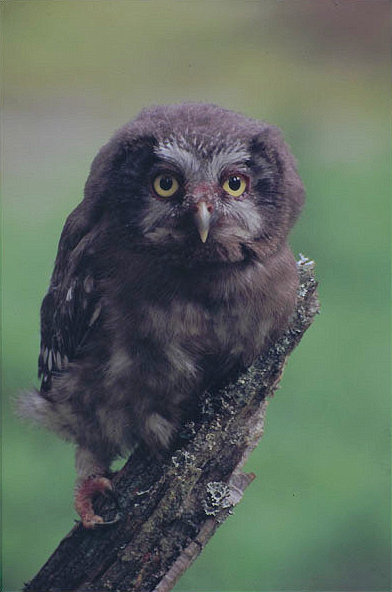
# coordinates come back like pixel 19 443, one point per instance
pixel 173 273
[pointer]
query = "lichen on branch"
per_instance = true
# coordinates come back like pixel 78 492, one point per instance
pixel 172 506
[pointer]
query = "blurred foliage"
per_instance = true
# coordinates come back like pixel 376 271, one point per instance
pixel 317 517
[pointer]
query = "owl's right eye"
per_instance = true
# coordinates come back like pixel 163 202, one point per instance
pixel 165 185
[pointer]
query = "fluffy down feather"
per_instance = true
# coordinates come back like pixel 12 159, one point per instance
pixel 142 314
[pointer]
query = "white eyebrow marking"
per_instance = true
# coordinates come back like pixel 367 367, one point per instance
pixel 229 156
pixel 191 155
pixel 172 152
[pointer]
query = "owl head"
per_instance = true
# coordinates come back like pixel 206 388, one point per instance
pixel 195 184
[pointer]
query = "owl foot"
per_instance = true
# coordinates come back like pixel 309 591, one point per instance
pixel 85 493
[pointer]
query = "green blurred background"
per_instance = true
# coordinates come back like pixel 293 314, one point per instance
pixel 317 516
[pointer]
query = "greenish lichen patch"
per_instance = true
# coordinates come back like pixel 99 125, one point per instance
pixel 217 498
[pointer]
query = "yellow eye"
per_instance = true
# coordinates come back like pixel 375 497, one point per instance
pixel 165 185
pixel 234 185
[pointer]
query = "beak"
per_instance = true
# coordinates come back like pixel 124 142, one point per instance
pixel 202 218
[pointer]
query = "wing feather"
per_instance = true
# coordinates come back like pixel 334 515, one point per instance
pixel 71 307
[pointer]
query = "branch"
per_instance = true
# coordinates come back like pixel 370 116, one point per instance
pixel 172 506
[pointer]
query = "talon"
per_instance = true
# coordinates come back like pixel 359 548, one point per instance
pixel 91 520
pixel 102 522
pixel 84 495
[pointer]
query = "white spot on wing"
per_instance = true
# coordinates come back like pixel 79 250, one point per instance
pixel 96 314
pixel 88 284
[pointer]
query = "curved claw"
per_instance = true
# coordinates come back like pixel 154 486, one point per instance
pixel 116 519
pixel 84 495
pixel 110 494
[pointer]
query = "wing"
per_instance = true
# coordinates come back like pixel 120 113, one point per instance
pixel 71 307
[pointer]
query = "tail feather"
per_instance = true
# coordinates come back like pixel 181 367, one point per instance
pixel 32 406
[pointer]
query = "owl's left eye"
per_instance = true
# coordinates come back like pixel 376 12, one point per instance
pixel 165 185
pixel 234 185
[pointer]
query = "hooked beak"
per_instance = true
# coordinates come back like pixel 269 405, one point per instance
pixel 202 218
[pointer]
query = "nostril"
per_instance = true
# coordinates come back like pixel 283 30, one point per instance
pixel 195 208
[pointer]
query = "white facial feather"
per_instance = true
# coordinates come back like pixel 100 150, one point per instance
pixel 193 156
pixel 179 156
pixel 200 159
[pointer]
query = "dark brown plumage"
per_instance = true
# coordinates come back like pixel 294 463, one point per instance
pixel 172 273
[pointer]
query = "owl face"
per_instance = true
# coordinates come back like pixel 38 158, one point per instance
pixel 200 184
pixel 199 201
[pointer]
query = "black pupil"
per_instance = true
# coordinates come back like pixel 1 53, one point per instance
pixel 234 183
pixel 166 183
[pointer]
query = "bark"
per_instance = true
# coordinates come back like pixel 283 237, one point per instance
pixel 173 505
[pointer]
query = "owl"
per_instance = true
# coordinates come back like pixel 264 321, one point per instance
pixel 172 274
